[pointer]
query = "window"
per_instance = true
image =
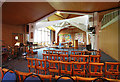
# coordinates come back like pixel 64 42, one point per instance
pixel 42 35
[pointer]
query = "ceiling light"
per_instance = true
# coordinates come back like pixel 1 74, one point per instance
pixel 58 12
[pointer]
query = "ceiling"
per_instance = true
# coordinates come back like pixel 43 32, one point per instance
pixel 83 6
pixel 24 12
pixel 19 13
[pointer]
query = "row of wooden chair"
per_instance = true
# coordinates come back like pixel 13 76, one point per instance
pixel 55 52
pixel 73 68
pixel 72 52
pixel 75 58
pixel 23 75
pixel 79 68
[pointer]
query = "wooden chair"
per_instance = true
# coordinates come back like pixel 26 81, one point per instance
pixel 95 69
pixel 79 58
pixel 78 52
pixel 54 66
pixel 112 69
pixel 41 66
pixel 46 56
pixel 22 75
pixel 32 63
pixel 65 68
pixel 63 57
pixel 53 57
pixel 79 68
pixel 95 58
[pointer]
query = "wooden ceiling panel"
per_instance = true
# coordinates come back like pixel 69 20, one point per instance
pixel 73 15
pixel 24 12
pixel 83 6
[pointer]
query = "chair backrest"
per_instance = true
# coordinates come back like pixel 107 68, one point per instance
pixel 41 64
pixel 45 56
pixel 22 75
pixel 112 68
pixel 78 52
pixel 53 57
pixel 95 58
pixel 54 66
pixel 33 78
pixel 65 79
pixel 31 63
pixel 10 75
pixel 63 57
pixel 66 67
pixel 79 68
pixel 96 69
pixel 79 58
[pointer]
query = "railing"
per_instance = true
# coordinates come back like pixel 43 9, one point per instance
pixel 108 17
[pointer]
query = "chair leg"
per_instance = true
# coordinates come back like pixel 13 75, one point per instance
pixel 45 72
pixel 29 69
pixel 38 71
pixel 116 77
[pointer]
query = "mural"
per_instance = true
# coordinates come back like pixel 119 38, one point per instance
pixel 79 37
pixel 65 38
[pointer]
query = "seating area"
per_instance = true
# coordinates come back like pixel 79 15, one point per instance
pixel 15 75
pixel 56 62
pixel 59 41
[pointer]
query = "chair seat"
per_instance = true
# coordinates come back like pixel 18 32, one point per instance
pixel 9 76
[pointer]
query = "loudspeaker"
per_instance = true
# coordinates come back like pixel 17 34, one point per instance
pixel 27 28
